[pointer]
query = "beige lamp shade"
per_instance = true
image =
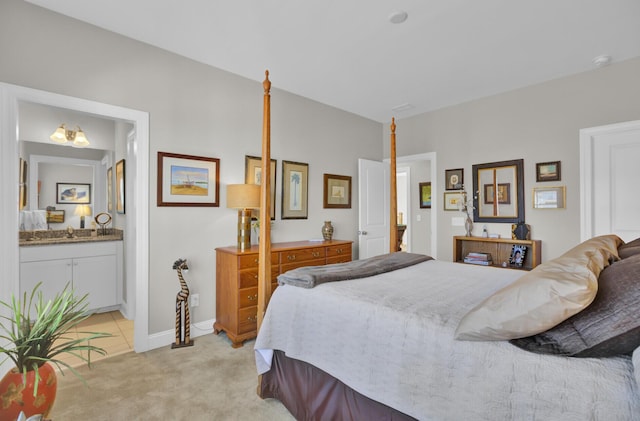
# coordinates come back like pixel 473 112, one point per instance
pixel 83 210
pixel 243 196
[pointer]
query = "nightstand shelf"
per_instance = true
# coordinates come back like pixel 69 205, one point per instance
pixel 499 248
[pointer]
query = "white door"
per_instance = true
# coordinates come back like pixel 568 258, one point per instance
pixel 610 177
pixel 373 203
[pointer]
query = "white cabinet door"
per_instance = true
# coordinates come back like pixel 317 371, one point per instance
pixel 54 275
pixel 96 276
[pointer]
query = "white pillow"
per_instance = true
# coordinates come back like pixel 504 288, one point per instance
pixel 549 294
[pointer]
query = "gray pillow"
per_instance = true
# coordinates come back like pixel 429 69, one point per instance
pixel 607 327
pixel 629 249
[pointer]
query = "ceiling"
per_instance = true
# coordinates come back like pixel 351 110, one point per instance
pixel 348 54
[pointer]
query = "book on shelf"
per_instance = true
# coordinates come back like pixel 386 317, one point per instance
pixel 478 262
pixel 478 256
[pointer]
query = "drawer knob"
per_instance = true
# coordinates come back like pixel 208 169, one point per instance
pixel 253 318
pixel 291 257
pixel 252 297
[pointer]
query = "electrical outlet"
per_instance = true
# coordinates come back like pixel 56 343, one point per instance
pixel 195 300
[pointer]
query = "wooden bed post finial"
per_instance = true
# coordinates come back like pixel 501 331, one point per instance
pixel 393 200
pixel 266 85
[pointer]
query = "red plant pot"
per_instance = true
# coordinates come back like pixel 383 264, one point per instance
pixel 17 396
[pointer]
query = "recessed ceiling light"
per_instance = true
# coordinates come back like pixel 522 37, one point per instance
pixel 602 61
pixel 398 16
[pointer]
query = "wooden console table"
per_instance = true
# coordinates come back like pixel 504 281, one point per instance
pixel 499 248
pixel 237 280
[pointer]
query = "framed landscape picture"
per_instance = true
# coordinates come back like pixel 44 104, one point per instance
pixel 337 191
pixel 548 171
pixel 73 193
pixel 187 180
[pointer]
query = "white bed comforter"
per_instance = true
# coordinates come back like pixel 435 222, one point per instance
pixel 390 337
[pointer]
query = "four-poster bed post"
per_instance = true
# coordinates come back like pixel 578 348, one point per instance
pixel 264 246
pixel 393 199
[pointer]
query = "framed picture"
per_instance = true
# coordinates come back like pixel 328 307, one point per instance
pixel 454 179
pixel 549 197
pixel 55 216
pixel 548 171
pixel 453 201
pixel 499 191
pixel 425 195
pixel 22 200
pixel 503 196
pixel 253 175
pixel 110 189
pixel 337 191
pixel 73 193
pixel 120 186
pixel 187 180
pixel 295 181
pixel 518 254
pixel 23 171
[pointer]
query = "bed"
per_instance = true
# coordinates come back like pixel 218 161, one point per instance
pixel 429 341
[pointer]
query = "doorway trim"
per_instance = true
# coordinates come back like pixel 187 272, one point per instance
pixel 137 216
pixel 431 157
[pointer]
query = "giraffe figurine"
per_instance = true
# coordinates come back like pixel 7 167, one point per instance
pixel 183 326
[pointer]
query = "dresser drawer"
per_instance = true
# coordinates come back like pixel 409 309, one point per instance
pixel 249 277
pixel 341 250
pixel 247 319
pixel 297 264
pixel 343 258
pixel 301 255
pixel 248 297
pixel 251 260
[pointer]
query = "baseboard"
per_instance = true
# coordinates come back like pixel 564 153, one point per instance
pixel 166 338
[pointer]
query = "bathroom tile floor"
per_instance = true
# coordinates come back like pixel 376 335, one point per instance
pixel 111 322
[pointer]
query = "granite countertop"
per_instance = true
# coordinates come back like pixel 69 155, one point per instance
pixel 49 238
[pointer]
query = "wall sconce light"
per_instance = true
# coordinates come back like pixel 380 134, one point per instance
pixel 82 211
pixel 63 135
pixel 243 197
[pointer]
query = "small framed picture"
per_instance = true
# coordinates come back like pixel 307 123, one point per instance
pixel 453 201
pixel 549 197
pixel 548 171
pixel 295 182
pixel 337 191
pixel 425 195
pixel 454 179
pixel 73 193
pixel 120 187
pixel 253 175
pixel 518 254
pixel 502 196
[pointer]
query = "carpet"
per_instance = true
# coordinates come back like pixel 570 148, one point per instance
pixel 208 381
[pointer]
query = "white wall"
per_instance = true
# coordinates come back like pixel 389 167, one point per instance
pixel 196 110
pixel 539 123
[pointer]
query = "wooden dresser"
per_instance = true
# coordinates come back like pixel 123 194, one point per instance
pixel 237 280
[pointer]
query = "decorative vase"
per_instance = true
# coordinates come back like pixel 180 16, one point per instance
pixel 468 225
pixel 327 230
pixel 16 396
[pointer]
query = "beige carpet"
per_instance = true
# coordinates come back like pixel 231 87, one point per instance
pixel 209 381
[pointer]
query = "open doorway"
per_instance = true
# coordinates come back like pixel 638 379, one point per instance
pixel 137 156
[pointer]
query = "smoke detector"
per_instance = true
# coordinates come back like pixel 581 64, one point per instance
pixel 398 16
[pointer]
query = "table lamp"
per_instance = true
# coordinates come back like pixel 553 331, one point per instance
pixel 82 211
pixel 243 197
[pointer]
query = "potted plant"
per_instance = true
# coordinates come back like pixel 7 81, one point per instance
pixel 35 345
